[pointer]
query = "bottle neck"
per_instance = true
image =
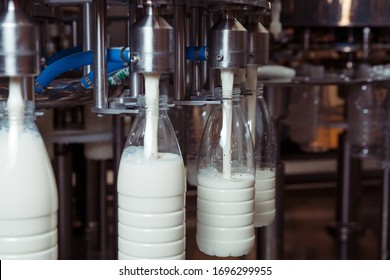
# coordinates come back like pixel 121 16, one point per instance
pixel 28 114
pixel 235 95
pixel 144 105
pixel 260 91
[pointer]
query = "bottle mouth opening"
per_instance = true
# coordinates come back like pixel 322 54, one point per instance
pixel 162 101
pixel 235 94
pixel 29 108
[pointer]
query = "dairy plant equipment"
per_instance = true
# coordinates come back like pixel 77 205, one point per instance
pixel 94 55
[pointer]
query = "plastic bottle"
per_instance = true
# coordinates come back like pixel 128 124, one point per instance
pixel 265 158
pixel 225 203
pixel 28 193
pixel 151 192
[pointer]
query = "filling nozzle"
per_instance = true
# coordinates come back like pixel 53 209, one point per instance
pixel 19 42
pixel 258 41
pixel 152 42
pixel 228 43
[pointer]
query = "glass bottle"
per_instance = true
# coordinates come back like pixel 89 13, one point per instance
pixel 28 192
pixel 265 158
pixel 151 191
pixel 225 202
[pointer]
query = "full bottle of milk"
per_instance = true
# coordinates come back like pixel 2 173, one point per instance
pixel 151 188
pixel 28 193
pixel 225 166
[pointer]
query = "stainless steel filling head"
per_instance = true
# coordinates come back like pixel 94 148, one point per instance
pixel 152 44
pixel 227 43
pixel 19 43
pixel 258 43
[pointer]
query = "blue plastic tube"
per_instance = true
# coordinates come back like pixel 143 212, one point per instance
pixel 87 81
pixel 196 53
pixel 62 54
pixel 75 61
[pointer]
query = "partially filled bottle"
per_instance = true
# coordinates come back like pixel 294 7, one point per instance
pixel 225 203
pixel 28 193
pixel 265 158
pixel 151 188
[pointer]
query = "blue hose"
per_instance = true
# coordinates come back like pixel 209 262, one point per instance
pixel 88 80
pixel 62 53
pixel 75 61
pixel 196 53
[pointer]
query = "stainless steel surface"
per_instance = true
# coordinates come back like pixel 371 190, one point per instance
pixel 335 13
pixel 87 27
pixel 180 62
pixel 19 42
pixel 151 44
pixel 258 41
pixel 227 43
pixel 63 171
pixel 100 61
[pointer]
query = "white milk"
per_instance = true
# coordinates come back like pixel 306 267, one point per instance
pixel 151 103
pixel 153 188
pixel 225 239
pixel 265 182
pixel 28 195
pixel 252 85
pixel 227 77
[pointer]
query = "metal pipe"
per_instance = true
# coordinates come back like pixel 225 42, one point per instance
pixel 64 174
pixel 87 32
pixel 103 207
pixel 347 227
pixel 197 73
pixel 180 66
pixel 136 80
pixel 100 62
pixel 118 143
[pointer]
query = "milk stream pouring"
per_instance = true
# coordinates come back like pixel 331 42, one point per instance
pixel 151 191
pixel 28 193
pixel 225 203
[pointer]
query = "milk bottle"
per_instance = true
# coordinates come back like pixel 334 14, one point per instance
pixel 28 193
pixel 151 187
pixel 225 203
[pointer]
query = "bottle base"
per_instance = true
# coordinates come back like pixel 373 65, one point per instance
pixel 225 248
pixel 123 256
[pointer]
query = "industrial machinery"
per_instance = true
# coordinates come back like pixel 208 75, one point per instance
pixel 94 57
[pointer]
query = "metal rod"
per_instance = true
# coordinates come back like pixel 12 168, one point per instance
pixel 100 63
pixel 92 204
pixel 118 143
pixel 87 31
pixel 63 174
pixel 197 79
pixel 103 207
pixel 180 73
